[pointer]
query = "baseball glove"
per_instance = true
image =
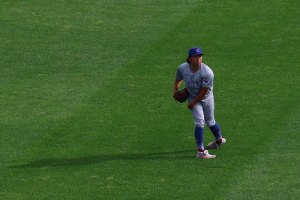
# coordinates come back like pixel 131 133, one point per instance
pixel 181 95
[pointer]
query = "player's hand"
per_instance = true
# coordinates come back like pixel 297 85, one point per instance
pixel 191 105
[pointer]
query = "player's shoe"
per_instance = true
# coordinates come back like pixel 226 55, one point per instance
pixel 205 155
pixel 215 145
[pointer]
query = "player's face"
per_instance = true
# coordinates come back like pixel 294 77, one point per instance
pixel 196 60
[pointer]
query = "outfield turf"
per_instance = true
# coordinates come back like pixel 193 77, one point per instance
pixel 87 110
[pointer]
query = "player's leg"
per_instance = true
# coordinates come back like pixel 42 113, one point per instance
pixel 209 116
pixel 215 129
pixel 209 113
pixel 199 131
pixel 199 125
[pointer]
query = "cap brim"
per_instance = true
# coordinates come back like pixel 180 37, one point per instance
pixel 200 54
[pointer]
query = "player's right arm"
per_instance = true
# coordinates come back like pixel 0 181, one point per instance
pixel 178 79
pixel 177 84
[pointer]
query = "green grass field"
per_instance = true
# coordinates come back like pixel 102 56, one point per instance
pixel 87 110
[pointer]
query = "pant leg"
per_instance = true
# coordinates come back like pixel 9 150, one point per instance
pixel 209 116
pixel 198 115
pixel 199 125
pixel 208 106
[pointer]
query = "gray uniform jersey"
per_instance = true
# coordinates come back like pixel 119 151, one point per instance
pixel 194 81
pixel 203 111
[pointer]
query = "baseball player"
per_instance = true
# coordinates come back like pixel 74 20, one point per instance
pixel 198 79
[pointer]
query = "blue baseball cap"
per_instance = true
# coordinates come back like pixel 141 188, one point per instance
pixel 195 51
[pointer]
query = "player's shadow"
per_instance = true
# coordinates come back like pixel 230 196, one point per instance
pixel 98 159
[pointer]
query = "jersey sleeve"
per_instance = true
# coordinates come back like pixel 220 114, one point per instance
pixel 179 75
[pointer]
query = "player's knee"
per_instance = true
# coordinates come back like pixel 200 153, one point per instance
pixel 210 122
pixel 199 123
